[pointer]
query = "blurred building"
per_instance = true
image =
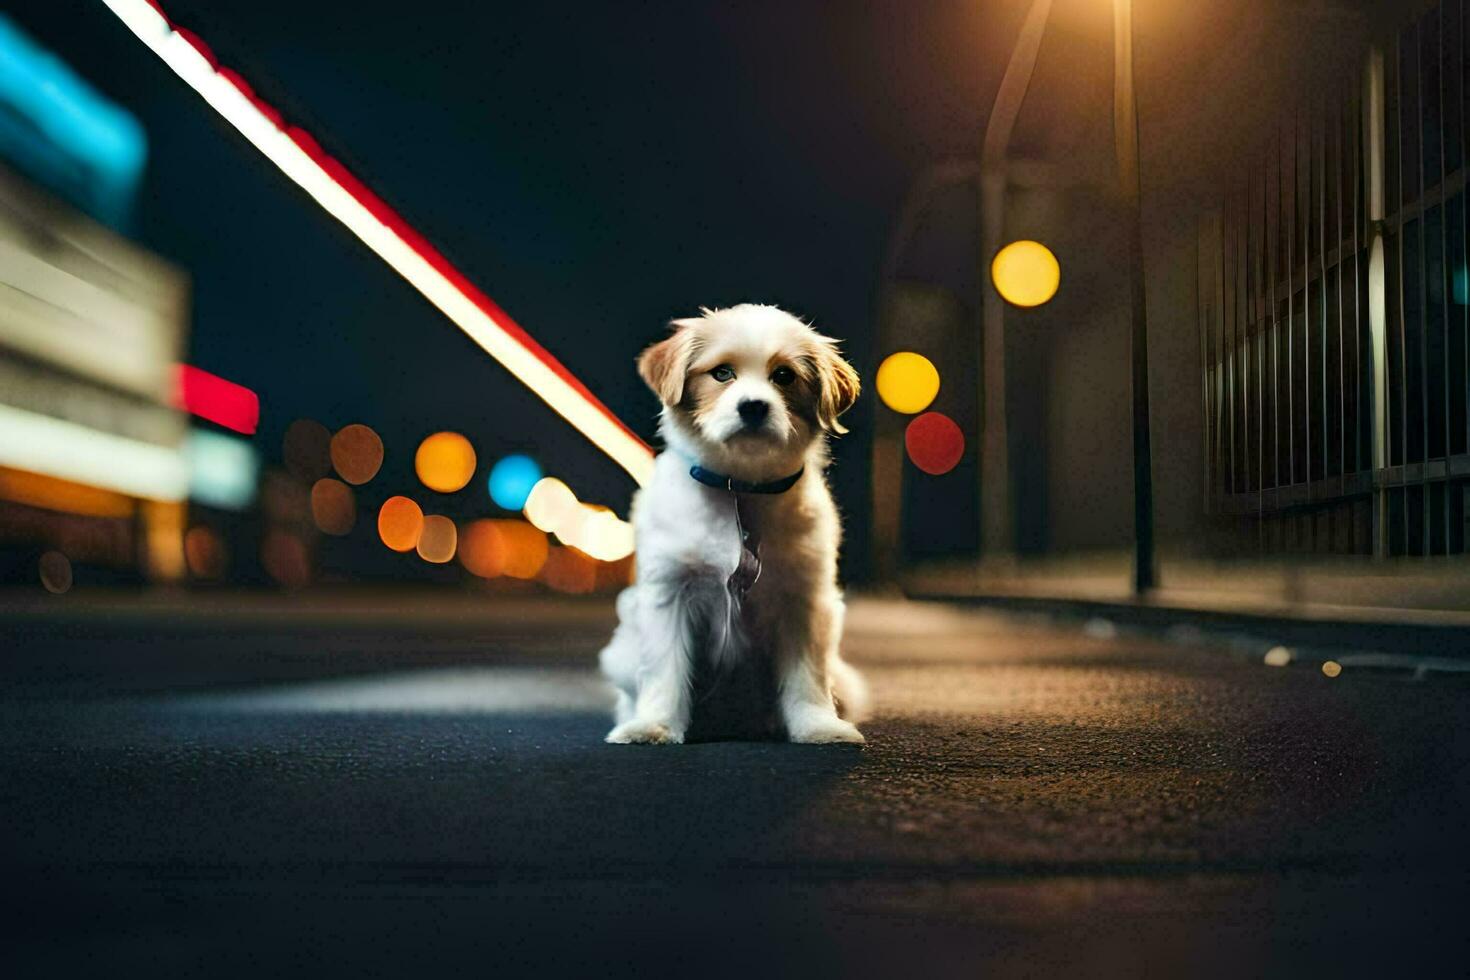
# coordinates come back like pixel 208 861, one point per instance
pixel 1304 228
pixel 98 458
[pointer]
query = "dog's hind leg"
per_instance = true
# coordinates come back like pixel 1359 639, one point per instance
pixel 619 659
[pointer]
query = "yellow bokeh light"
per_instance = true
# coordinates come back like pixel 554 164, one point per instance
pixel 907 382
pixel 438 539
pixel 1331 668
pixel 1026 273
pixel 445 462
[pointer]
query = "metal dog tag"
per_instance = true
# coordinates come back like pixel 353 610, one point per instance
pixel 748 571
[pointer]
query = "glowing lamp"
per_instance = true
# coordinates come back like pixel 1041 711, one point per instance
pixel 907 382
pixel 934 443
pixel 1025 273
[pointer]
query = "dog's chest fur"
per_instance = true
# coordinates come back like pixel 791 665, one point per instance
pixel 734 683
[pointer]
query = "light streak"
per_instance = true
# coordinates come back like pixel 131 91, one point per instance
pixel 378 226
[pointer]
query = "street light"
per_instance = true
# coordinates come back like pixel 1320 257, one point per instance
pixel 1125 143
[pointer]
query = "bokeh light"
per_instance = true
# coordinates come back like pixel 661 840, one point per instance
pixel 437 539
pixel 525 549
pixel 615 574
pixel 482 549
pixel 400 521
pixel 511 480
pixel 934 443
pixel 306 449
pixel 357 453
pixel 551 505
pixel 445 462
pixel 204 552
pixel 333 506
pixel 55 572
pixel 1331 668
pixel 284 500
pixel 1025 273
pixel 907 382
pixel 285 559
pixel 601 535
pixel 568 570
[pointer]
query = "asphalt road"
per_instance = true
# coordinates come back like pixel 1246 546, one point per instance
pixel 1034 800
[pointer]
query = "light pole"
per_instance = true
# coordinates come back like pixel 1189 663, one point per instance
pixel 1125 142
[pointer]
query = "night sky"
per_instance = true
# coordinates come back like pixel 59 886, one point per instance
pixel 596 168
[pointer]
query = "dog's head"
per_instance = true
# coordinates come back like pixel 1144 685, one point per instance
pixel 750 387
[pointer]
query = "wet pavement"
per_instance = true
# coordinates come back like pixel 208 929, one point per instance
pixel 1035 799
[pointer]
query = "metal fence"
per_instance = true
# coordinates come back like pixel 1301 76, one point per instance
pixel 1333 315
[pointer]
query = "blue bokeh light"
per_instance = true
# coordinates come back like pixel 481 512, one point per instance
pixel 511 480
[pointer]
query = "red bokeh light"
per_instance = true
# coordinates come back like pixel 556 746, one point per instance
pixel 934 443
pixel 211 397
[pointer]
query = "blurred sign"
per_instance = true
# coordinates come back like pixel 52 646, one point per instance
pixel 76 296
pixel 61 133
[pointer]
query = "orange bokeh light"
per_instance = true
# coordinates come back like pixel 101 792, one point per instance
pixel 445 462
pixel 438 539
pixel 568 570
pixel 400 522
pixel 285 558
pixel 357 453
pixel 525 548
pixel 332 506
pixel 306 449
pixel 482 549
pixel 204 551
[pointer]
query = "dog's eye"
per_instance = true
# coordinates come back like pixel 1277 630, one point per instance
pixel 783 376
pixel 723 373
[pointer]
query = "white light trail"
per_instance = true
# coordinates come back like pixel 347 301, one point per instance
pixel 54 447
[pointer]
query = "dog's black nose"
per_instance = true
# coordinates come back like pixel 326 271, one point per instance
pixel 753 412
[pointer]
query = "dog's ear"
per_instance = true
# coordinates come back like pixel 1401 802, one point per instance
pixel 839 385
pixel 663 366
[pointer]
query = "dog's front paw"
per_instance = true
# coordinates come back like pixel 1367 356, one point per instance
pixel 641 731
pixel 826 731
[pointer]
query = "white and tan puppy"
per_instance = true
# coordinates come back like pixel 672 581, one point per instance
pixel 737 537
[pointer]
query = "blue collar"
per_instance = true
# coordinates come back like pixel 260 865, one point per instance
pixel 722 482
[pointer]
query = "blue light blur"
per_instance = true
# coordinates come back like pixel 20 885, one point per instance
pixel 58 130
pixel 223 470
pixel 511 480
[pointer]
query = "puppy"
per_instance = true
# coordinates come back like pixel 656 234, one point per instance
pixel 737 536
